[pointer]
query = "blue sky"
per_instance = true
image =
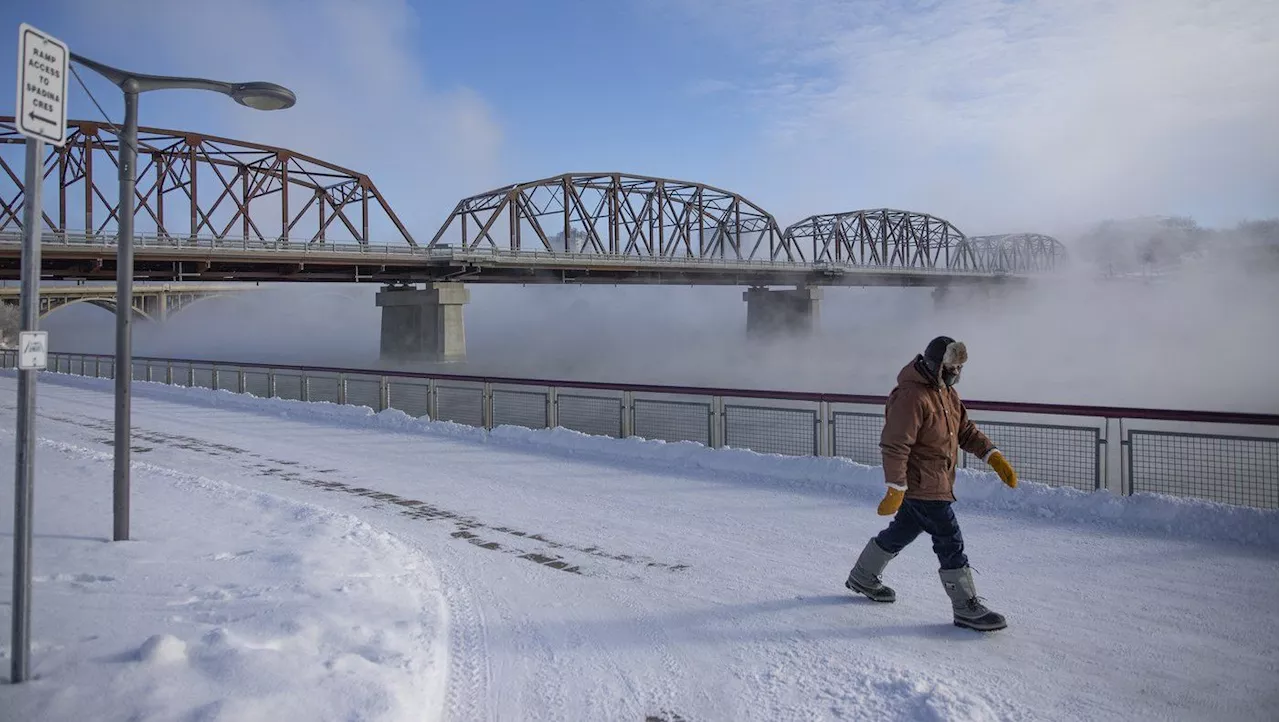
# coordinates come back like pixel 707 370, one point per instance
pixel 999 115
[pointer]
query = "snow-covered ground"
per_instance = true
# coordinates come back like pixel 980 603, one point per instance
pixel 312 562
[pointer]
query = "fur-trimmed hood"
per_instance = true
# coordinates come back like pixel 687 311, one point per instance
pixel 956 354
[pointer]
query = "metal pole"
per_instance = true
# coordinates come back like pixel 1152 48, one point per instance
pixel 25 443
pixel 124 315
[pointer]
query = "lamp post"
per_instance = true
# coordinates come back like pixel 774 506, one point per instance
pixel 256 95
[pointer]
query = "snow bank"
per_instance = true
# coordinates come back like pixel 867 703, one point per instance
pixel 1149 513
pixel 227 604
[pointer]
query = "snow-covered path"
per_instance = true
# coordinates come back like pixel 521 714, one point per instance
pixel 600 580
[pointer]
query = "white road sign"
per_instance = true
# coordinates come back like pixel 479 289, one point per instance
pixel 42 86
pixel 33 350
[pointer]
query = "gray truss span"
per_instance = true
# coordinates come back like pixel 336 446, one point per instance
pixel 617 214
pixel 1017 252
pixel 881 237
pixel 887 237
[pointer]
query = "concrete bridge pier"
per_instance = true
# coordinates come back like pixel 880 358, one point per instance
pixel 423 324
pixel 941 296
pixel 781 311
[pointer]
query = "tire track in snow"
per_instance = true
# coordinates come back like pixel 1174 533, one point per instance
pixel 470 675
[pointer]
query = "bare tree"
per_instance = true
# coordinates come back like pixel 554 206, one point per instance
pixel 10 324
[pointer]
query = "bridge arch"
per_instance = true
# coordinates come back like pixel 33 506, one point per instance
pixel 49 305
pixel 195 185
pixel 186 301
pixel 616 214
pixel 149 303
pixel 882 237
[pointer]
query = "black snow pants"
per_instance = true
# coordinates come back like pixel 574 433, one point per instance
pixel 932 517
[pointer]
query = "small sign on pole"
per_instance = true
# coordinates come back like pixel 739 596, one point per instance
pixel 33 350
pixel 42 86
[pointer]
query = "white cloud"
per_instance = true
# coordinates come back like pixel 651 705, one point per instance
pixel 365 101
pixel 1009 115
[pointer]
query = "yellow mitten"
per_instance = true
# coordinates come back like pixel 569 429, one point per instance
pixel 891 501
pixel 1001 466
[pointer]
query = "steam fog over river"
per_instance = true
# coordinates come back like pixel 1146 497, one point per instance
pixel 1204 338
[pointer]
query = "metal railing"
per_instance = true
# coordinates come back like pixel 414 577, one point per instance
pixel 1219 456
pixel 203 246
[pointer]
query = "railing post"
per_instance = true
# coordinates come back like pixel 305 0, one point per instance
pixel 240 384
pixel 168 373
pixel 148 376
pixel 271 383
pixel 486 405
pixel 553 407
pixel 1103 452
pixel 342 389
pixel 431 399
pixel 213 381
pixel 822 442
pixel 304 386
pixel 191 376
pixel 1126 461
pixel 716 422
pixel 384 393
pixel 628 414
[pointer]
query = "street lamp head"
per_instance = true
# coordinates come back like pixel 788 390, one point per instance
pixel 263 96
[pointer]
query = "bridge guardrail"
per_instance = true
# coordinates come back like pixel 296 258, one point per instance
pixel 302 249
pixel 1225 457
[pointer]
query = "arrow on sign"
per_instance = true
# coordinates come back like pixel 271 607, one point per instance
pixel 42 119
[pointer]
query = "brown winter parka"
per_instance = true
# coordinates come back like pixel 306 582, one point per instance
pixel 925 425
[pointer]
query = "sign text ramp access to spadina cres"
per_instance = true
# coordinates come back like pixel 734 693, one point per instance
pixel 42 86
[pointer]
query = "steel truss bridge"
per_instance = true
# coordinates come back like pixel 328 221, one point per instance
pixel 211 208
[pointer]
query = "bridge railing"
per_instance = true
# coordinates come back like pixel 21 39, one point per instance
pixel 203 246
pixel 1224 457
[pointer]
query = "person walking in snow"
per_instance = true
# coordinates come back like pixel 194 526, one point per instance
pixel 925 426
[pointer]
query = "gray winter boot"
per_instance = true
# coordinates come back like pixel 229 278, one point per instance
pixel 968 609
pixel 864 578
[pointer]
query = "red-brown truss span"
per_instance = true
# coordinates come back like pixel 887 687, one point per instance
pixel 197 185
